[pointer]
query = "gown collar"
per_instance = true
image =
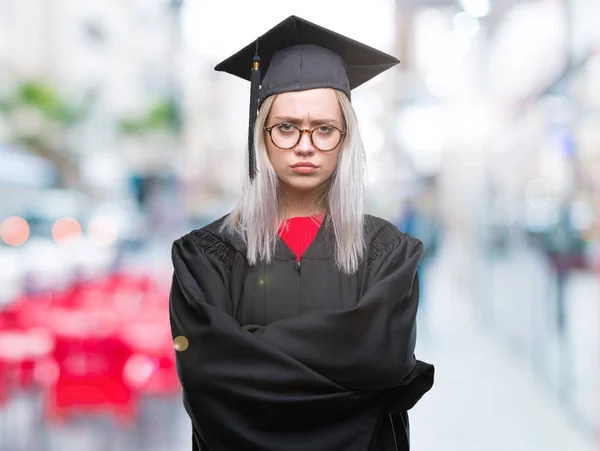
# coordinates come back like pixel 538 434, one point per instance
pixel 320 247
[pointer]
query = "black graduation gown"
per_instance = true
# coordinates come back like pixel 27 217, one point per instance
pixel 295 356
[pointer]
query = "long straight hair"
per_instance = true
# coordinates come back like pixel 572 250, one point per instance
pixel 261 208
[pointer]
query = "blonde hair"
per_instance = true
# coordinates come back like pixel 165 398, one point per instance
pixel 261 210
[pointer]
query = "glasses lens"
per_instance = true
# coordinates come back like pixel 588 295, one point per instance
pixel 326 138
pixel 285 136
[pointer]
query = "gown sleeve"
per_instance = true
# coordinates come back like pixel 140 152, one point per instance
pixel 371 346
pixel 241 392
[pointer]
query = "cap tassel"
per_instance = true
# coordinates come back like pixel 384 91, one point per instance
pixel 254 88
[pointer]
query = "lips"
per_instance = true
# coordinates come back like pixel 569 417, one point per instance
pixel 304 167
pixel 304 164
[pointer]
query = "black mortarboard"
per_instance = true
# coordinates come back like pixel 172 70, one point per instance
pixel 297 55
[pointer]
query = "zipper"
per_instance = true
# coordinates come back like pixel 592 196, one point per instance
pixel 299 269
pixel 393 431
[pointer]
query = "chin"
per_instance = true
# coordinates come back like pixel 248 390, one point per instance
pixel 304 183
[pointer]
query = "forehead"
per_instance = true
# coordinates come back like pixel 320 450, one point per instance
pixel 314 103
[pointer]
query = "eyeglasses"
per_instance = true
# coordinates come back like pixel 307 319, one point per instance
pixel 286 136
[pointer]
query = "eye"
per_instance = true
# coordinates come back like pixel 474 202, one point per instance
pixel 285 127
pixel 325 129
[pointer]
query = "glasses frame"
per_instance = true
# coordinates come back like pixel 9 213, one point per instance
pixel 310 133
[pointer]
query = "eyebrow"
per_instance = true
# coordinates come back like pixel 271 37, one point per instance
pixel 295 120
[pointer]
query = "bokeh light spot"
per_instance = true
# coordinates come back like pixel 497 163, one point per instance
pixel 14 231
pixel 66 230
pixel 139 369
pixel 102 230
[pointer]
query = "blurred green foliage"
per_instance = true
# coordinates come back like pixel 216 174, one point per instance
pixel 60 115
pixel 163 116
pixel 45 98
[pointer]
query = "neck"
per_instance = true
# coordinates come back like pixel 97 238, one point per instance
pixel 302 203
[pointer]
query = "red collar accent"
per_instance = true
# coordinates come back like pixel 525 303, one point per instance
pixel 298 233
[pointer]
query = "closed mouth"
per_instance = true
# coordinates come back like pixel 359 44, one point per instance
pixel 304 165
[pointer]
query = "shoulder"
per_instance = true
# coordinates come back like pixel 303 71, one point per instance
pixel 378 230
pixel 382 237
pixel 213 241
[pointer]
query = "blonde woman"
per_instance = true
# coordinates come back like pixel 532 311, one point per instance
pixel 293 317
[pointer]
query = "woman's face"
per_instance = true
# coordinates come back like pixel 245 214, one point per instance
pixel 304 167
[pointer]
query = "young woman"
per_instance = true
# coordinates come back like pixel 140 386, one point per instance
pixel 293 317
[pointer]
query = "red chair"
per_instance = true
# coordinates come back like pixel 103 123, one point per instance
pixel 90 359
pixel 21 349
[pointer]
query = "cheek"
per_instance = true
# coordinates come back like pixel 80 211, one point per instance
pixel 274 155
pixel 330 163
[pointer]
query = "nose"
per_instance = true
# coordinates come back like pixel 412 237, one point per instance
pixel 305 146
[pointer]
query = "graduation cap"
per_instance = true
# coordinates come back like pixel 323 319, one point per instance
pixel 298 55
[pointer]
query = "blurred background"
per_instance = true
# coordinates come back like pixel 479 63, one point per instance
pixel 117 137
